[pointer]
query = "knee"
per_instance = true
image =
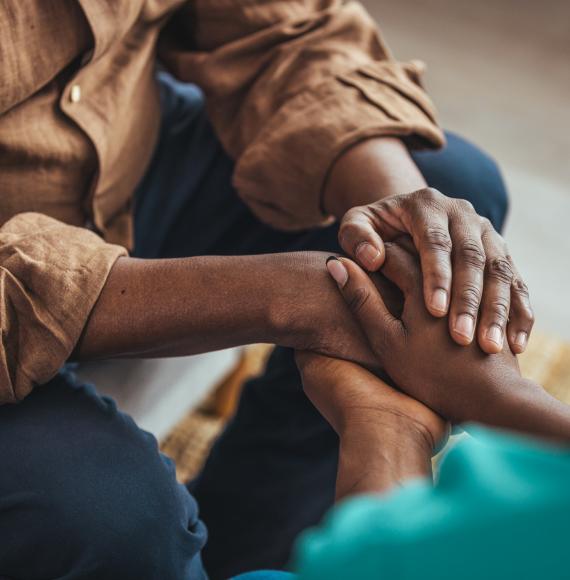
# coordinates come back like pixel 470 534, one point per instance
pixel 132 521
pixel 463 170
pixel 484 179
pixel 92 495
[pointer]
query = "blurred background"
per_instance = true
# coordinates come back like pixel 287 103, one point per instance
pixel 499 73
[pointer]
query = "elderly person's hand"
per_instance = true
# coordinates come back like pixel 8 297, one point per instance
pixel 467 269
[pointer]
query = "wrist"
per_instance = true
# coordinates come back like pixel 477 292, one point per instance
pixel 392 432
pixel 526 407
pixel 369 171
pixel 290 283
pixel 375 457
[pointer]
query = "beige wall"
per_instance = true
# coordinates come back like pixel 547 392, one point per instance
pixel 499 72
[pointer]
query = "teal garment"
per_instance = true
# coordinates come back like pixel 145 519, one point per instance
pixel 500 510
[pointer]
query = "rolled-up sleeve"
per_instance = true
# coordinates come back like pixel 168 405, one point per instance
pixel 51 275
pixel 290 85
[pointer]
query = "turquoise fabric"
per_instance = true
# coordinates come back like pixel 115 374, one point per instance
pixel 500 510
pixel 265 575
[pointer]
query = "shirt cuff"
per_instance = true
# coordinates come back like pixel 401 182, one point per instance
pixel 51 275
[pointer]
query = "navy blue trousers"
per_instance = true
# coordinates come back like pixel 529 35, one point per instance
pixel 84 493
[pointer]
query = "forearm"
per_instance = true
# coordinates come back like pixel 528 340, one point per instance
pixel 526 407
pixel 375 458
pixel 185 306
pixel 368 172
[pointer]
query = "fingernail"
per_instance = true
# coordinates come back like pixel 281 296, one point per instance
pixel 367 255
pixel 439 300
pixel 521 339
pixel 495 334
pixel 337 270
pixel 464 326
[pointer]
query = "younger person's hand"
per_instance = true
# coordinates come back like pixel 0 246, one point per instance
pixel 461 383
pixel 350 397
pixel 385 436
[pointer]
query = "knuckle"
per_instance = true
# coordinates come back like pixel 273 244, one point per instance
pixel 520 288
pixel 529 317
pixel 471 252
pixel 470 297
pixel 435 200
pixel 464 206
pixel 350 217
pixel 358 299
pixel 500 310
pixel 500 269
pixel 523 319
pixel 350 233
pixel 486 224
pixel 353 211
pixel 431 194
pixel 437 239
pixel 436 278
pixel 347 228
pixel 424 200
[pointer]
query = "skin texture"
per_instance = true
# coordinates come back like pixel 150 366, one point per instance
pixel 460 383
pixel 467 269
pixel 385 436
pixel 210 303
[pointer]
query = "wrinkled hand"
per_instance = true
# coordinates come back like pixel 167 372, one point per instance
pixel 348 396
pixel 467 269
pixel 460 383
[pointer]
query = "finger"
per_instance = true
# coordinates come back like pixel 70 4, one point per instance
pixel 521 319
pixel 430 231
pixel 468 275
pixel 364 301
pixel 406 242
pixel 360 240
pixel 402 268
pixel 496 302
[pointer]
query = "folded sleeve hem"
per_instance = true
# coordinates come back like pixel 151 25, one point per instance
pixel 51 276
pixel 281 173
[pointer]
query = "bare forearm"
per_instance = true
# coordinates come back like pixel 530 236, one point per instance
pixel 172 307
pixel 526 407
pixel 369 171
pixel 192 305
pixel 377 458
pixel 183 306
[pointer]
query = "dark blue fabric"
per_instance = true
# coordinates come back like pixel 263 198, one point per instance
pixel 85 494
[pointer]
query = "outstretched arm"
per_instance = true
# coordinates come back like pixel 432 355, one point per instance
pixel 192 305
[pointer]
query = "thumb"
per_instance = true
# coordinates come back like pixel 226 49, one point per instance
pixel 379 326
pixel 360 240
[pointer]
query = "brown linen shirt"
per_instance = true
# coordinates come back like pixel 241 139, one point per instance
pixel 290 84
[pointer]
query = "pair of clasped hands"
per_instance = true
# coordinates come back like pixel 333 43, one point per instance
pixel 443 311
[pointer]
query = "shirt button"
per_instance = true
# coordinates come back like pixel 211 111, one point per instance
pixel 75 94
